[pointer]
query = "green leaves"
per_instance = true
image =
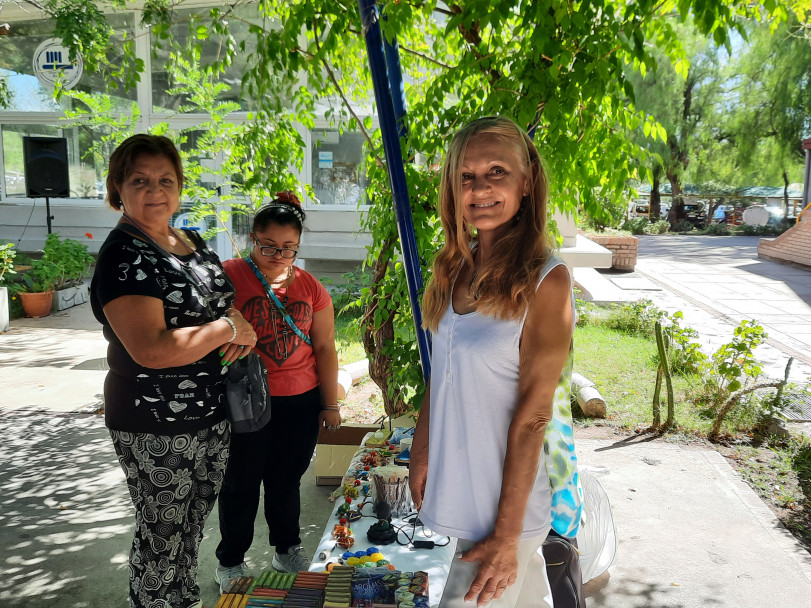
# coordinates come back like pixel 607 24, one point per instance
pixel 733 363
pixel 573 71
pixel 7 255
pixel 83 28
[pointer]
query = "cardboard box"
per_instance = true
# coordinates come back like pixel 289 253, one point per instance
pixel 335 450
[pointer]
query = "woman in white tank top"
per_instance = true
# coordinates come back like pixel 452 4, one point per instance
pixel 500 309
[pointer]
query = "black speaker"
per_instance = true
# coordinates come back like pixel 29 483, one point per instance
pixel 46 167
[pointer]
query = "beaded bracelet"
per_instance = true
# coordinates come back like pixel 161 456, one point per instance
pixel 233 327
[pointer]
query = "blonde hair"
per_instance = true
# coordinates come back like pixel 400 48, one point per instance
pixel 507 280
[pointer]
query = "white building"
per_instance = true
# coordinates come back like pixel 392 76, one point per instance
pixel 332 244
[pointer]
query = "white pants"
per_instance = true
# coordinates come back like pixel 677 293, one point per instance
pixel 530 590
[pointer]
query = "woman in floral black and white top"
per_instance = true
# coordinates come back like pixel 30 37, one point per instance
pixel 165 306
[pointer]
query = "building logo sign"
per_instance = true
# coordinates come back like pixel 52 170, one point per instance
pixel 184 220
pixel 51 63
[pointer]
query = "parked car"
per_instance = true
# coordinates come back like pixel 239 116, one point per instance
pixel 639 208
pixel 695 214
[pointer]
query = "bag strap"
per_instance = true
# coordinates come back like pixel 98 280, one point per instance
pixel 277 303
pixel 173 260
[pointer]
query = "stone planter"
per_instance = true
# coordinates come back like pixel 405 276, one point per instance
pixel 37 304
pixel 4 324
pixel 623 249
pixel 70 296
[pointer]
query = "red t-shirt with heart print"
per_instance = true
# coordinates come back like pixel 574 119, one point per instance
pixel 295 374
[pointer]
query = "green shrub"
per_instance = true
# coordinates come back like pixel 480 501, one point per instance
pixel 730 368
pixel 683 354
pixel 345 296
pixel 7 255
pixel 636 226
pixel 718 230
pixel 586 312
pixel 658 227
pixel 683 226
pixel 767 230
pixel 608 214
pixel 69 256
pixel 637 318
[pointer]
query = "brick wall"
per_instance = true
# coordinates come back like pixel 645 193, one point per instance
pixel 623 249
pixel 794 245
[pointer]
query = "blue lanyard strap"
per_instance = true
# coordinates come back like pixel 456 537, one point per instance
pixel 276 302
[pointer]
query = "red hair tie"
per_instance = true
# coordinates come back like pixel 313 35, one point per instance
pixel 288 196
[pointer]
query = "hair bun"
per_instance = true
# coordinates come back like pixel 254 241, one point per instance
pixel 288 196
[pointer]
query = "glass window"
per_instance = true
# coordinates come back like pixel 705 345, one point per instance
pixel 13 161
pixel 186 23
pixel 86 174
pixel 28 94
pixel 337 160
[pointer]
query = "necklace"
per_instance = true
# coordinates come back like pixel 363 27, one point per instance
pixel 272 282
pixel 473 276
pixel 281 281
pixel 473 294
pixel 172 230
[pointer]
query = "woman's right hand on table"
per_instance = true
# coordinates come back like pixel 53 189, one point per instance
pixel 498 567
pixel 244 341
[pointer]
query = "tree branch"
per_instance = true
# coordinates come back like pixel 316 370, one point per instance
pixel 473 38
pixel 426 57
pixel 340 90
pixel 39 6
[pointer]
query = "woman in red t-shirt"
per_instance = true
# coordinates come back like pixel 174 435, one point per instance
pixel 294 320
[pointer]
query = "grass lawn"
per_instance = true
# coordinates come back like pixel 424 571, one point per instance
pixel 347 340
pixel 623 369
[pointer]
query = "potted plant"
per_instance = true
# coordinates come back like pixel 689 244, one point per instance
pixel 56 277
pixel 39 282
pixel 73 261
pixel 7 255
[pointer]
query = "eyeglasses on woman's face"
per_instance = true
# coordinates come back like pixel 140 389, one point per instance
pixel 285 252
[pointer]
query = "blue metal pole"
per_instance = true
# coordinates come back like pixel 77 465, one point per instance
pixel 394 160
pixel 396 85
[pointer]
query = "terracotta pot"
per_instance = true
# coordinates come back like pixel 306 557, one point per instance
pixel 37 304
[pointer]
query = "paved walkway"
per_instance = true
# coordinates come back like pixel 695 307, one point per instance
pixel 719 281
pixel 723 277
pixel 692 534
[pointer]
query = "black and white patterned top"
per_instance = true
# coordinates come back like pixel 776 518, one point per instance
pixel 170 400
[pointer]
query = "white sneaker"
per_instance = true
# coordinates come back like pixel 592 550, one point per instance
pixel 295 560
pixel 224 575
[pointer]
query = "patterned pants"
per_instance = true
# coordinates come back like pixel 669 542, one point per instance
pixel 173 481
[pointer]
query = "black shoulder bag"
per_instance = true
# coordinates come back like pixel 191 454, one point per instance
pixel 563 570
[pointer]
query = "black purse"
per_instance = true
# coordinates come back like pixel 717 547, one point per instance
pixel 563 570
pixel 246 391
pixel 246 385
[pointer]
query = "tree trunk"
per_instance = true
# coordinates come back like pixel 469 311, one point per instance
pixel 374 341
pixel 785 196
pixel 676 212
pixel 655 197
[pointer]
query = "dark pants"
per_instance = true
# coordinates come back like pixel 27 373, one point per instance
pixel 275 457
pixel 173 481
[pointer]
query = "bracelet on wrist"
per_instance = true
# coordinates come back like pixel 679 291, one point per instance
pixel 233 327
pixel 334 407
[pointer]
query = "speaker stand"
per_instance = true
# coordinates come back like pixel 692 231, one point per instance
pixel 48 213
